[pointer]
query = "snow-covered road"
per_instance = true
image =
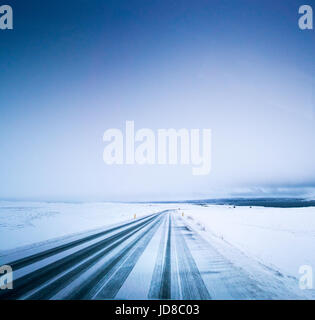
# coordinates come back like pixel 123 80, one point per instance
pixel 158 256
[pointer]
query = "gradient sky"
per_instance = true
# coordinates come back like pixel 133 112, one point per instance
pixel 72 69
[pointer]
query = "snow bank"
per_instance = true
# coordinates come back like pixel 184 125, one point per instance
pixel 278 237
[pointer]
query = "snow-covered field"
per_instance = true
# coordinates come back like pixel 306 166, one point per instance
pixel 280 238
pixel 25 223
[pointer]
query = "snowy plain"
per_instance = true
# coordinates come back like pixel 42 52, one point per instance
pixel 26 223
pixel 282 239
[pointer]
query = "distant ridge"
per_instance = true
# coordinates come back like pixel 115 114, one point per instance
pixel 257 202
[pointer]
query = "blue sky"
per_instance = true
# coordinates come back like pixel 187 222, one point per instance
pixel 70 70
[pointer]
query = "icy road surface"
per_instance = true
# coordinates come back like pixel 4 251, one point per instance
pixel 158 256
